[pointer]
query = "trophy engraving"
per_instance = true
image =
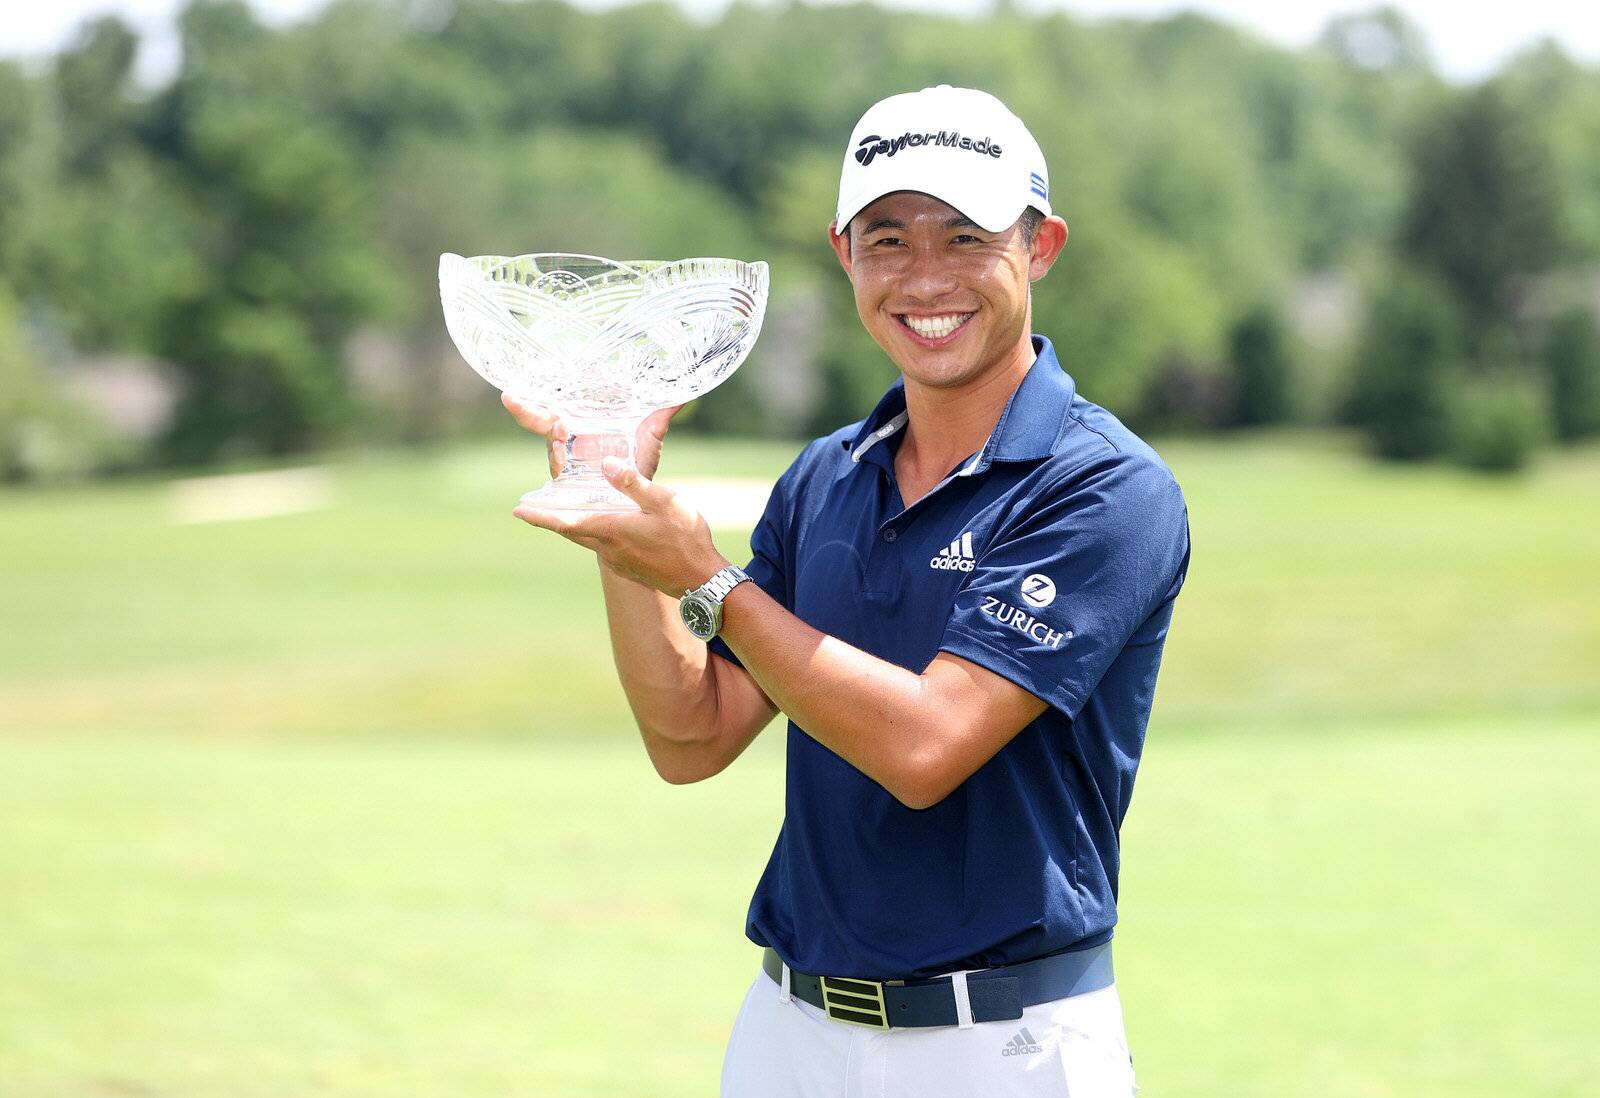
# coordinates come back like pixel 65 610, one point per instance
pixel 602 343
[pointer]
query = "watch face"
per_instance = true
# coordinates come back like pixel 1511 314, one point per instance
pixel 699 617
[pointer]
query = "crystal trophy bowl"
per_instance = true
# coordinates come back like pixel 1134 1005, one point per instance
pixel 601 343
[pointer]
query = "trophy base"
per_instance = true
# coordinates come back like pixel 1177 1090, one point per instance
pixel 578 493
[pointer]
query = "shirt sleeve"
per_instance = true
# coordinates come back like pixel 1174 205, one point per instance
pixel 1060 591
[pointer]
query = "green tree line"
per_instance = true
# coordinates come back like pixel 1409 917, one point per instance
pixel 1258 235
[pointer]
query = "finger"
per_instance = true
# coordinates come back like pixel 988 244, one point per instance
pixel 535 417
pixel 648 437
pixel 542 421
pixel 569 524
pixel 656 423
pixel 544 520
pixel 628 480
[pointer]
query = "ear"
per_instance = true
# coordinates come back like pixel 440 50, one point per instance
pixel 841 244
pixel 1048 240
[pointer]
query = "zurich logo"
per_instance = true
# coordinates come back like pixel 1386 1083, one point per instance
pixel 1039 591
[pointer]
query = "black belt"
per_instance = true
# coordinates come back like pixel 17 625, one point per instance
pixel 995 994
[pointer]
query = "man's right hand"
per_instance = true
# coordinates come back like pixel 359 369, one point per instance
pixel 542 421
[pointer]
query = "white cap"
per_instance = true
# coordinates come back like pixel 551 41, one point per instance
pixel 961 146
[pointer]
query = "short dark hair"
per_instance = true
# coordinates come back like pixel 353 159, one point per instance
pixel 1030 220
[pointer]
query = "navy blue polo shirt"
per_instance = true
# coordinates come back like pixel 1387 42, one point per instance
pixel 1052 557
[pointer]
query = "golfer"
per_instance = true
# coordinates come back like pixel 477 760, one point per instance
pixel 959 605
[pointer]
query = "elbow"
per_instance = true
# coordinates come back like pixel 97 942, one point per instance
pixel 919 799
pixel 675 776
pixel 922 786
pixel 916 800
pixel 680 761
pixel 934 766
pixel 679 771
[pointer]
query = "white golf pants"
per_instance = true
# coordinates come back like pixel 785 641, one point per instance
pixel 1071 1048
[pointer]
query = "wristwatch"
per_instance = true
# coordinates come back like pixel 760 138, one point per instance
pixel 701 609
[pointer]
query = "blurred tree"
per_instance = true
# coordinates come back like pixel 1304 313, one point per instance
pixel 43 435
pixel 1262 370
pixel 1118 303
pixel 101 240
pixel 110 253
pixel 1572 364
pixel 220 41
pixel 1498 419
pixel 1330 179
pixel 26 165
pixel 1409 360
pixel 543 61
pixel 375 71
pixel 753 91
pixel 289 272
pixel 93 84
pixel 1557 106
pixel 1194 152
pixel 283 229
pixel 1484 214
pixel 1488 218
pixel 23 393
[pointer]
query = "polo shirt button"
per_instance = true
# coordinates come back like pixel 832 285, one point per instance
pixel 890 534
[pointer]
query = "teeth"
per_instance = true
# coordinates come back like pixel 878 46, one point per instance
pixel 934 327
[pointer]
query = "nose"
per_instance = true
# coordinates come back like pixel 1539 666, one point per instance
pixel 927 275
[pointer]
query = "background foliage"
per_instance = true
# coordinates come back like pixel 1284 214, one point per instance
pixel 256 238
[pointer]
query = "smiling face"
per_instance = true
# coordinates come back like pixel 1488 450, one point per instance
pixel 947 300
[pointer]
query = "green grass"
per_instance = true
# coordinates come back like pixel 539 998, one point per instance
pixel 1324 586
pixel 347 803
pixel 355 918
pixel 1382 908
pixel 1394 910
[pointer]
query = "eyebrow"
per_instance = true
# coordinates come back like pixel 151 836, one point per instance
pixel 959 221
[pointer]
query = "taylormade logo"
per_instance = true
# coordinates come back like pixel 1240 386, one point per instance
pixel 873 146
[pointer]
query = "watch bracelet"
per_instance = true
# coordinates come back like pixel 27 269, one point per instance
pixel 726 579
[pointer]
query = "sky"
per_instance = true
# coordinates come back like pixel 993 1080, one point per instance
pixel 1468 42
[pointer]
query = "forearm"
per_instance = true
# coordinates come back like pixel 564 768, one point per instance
pixel 690 709
pixel 919 735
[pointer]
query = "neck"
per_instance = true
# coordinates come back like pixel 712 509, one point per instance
pixel 946 426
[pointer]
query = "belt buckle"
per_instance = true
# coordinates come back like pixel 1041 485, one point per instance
pixel 859 1002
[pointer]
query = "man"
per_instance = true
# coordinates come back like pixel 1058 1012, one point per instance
pixel 959 604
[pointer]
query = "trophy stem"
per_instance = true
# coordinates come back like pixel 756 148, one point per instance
pixel 581 486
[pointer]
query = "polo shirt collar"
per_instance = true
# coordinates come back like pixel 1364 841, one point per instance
pixel 1033 419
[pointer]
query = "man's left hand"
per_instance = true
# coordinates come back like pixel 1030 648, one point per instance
pixel 665 544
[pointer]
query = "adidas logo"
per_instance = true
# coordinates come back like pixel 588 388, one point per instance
pixel 1022 1044
pixel 957 556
